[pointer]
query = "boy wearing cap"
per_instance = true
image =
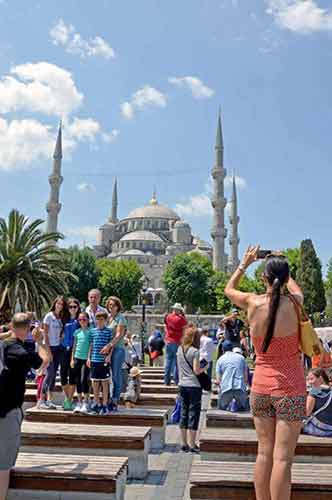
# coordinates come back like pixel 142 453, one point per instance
pixel 133 391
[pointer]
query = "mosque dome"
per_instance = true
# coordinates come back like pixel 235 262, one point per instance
pixel 141 236
pixel 153 210
pixel 181 223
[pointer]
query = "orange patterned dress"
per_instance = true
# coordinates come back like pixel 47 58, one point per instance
pixel 279 388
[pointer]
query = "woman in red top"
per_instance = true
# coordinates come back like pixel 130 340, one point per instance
pixel 278 394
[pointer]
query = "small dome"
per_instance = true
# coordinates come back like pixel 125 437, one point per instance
pixel 141 236
pixel 134 251
pixel 203 244
pixel 181 223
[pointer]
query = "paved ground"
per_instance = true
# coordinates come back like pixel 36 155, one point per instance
pixel 169 471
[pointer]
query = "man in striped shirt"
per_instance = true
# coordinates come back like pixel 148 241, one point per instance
pixel 100 367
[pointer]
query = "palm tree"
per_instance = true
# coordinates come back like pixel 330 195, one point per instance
pixel 32 271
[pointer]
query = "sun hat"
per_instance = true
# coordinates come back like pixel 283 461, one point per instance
pixel 178 306
pixel 134 371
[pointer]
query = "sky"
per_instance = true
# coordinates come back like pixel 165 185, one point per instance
pixel 138 85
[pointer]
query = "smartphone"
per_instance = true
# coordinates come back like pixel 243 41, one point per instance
pixel 262 254
pixel 203 363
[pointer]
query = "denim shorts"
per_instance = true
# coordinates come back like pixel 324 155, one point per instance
pixel 10 438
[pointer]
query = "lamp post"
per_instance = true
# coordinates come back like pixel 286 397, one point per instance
pixel 144 301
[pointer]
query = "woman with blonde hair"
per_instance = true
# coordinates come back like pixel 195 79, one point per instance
pixel 278 394
pixel 190 388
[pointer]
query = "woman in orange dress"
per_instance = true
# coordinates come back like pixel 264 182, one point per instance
pixel 278 394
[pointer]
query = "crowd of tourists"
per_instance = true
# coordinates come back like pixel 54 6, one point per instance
pixel 91 348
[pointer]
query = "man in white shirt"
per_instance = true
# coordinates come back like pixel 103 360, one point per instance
pixel 94 297
pixel 207 348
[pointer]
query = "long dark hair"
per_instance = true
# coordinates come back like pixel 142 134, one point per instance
pixel 277 274
pixel 64 315
pixel 75 301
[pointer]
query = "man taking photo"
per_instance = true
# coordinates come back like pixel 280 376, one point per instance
pixel 15 363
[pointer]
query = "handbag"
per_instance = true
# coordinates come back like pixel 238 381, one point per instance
pixel 315 427
pixel 309 341
pixel 176 412
pixel 203 378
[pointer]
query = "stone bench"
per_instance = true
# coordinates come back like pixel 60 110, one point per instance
pixel 241 444
pixel 234 480
pixel 67 477
pixel 102 440
pixel 148 400
pixel 154 418
pixel 220 418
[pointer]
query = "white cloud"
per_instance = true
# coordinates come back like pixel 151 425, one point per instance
pixel 146 97
pixel 66 36
pixel 197 206
pixel 200 204
pixel 86 187
pixel 26 142
pixel 303 16
pixel 194 84
pixel 241 183
pixel 39 87
pixel 111 136
pixel 82 231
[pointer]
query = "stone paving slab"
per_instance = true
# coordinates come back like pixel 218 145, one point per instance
pixel 169 470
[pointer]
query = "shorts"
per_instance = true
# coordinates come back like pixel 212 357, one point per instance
pixel 10 438
pixel 100 371
pixel 290 408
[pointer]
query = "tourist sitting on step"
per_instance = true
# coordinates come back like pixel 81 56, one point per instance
pixel 232 378
pixel 319 404
pixel 156 346
pixel 133 391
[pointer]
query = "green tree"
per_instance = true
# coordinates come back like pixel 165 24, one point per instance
pixel 186 280
pixel 293 257
pixel 219 280
pixel 122 278
pixel 328 283
pixel 309 277
pixel 32 271
pixel 82 264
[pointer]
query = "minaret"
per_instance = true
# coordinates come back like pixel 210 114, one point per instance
pixel 218 202
pixel 114 215
pixel 234 239
pixel 53 206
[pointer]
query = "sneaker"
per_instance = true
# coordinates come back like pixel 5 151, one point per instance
pixel 66 405
pixel 110 406
pixel 115 406
pixel 42 405
pixel 84 409
pixel 51 405
pixel 78 408
pixel 94 409
pixel 103 411
pixel 185 448
pixel 195 449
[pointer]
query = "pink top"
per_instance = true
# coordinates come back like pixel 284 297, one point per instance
pixel 279 371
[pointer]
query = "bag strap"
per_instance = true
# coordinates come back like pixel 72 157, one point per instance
pixel 327 403
pixel 299 308
pixel 191 366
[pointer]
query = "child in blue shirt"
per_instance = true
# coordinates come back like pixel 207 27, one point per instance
pixel 100 367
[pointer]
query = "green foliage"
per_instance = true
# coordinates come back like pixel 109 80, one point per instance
pixel 309 277
pixel 186 280
pixel 82 264
pixel 219 281
pixel 328 283
pixel 293 257
pixel 121 278
pixel 32 271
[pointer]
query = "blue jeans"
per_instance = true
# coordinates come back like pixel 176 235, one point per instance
pixel 241 398
pixel 171 366
pixel 117 360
